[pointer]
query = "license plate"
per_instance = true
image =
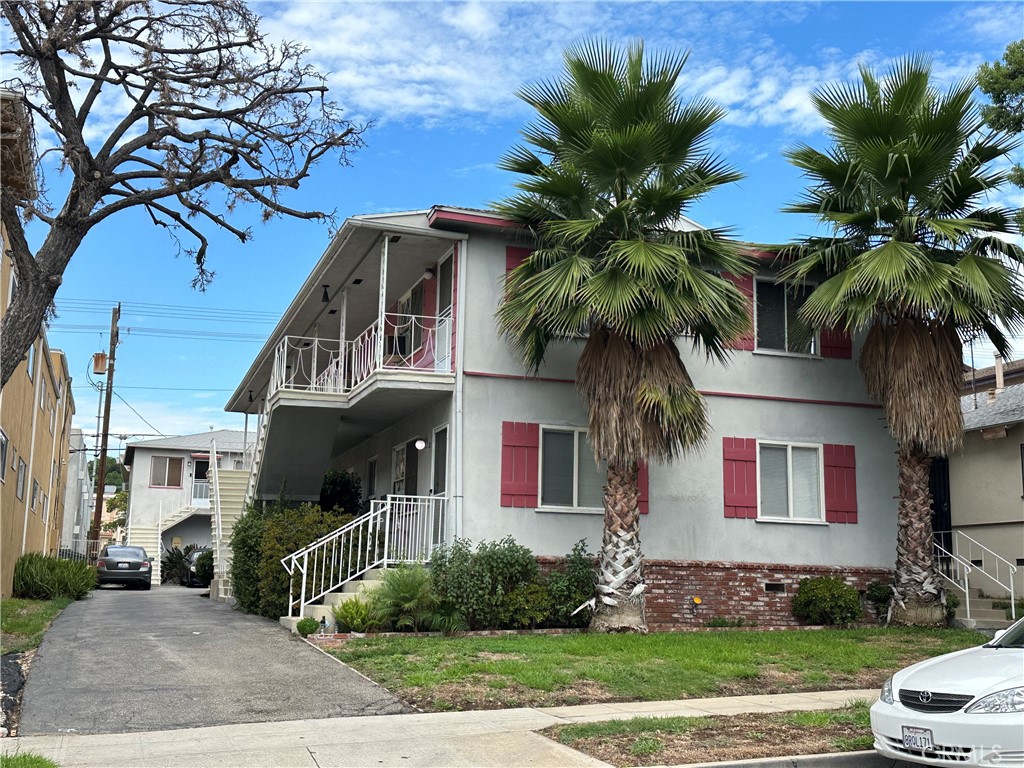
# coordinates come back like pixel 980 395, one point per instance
pixel 919 739
pixel 122 565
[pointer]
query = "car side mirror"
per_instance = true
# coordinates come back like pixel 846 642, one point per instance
pixel 999 633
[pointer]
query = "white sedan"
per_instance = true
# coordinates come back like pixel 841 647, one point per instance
pixel 964 708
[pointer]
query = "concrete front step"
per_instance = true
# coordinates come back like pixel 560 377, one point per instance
pixel 353 589
pixel 973 623
pixel 979 613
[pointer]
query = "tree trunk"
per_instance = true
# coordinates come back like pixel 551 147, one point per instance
pixel 620 587
pixel 919 593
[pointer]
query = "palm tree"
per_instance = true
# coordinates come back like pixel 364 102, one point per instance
pixel 609 167
pixel 915 259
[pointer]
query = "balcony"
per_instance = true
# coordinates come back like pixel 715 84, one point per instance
pixel 201 494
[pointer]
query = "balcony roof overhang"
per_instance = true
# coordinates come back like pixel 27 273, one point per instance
pixel 352 255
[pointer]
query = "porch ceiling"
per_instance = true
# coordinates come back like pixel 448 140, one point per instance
pixel 351 261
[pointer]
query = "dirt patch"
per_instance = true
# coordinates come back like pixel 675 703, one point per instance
pixel 772 679
pixel 493 692
pixel 737 737
pixel 499 656
pixel 14 672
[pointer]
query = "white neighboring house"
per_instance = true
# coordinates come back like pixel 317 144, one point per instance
pixel 77 509
pixel 169 489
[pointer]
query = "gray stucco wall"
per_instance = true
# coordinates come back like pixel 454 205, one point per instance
pixel 148 505
pixel 192 530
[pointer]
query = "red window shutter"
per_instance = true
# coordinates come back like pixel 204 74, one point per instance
pixel 746 286
pixel 740 476
pixel 514 256
pixel 836 343
pixel 840 484
pixel 520 462
pixel 643 484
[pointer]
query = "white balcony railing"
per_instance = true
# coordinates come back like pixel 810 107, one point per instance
pixel 410 342
pixel 201 494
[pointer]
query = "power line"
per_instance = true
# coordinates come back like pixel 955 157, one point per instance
pixel 151 307
pixel 139 415
pixel 168 389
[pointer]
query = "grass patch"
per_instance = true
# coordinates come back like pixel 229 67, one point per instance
pixel 26 760
pixel 22 622
pixel 549 670
pixel 671 740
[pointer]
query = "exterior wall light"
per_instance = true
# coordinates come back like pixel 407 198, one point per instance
pixel 420 443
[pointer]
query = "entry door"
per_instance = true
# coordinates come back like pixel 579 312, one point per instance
pixel 445 292
pixel 412 462
pixel 439 462
pixel 398 470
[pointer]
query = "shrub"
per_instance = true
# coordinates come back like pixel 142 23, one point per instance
pixel 284 531
pixel 342 492
pixel 571 585
pixel 246 535
pixel 477 584
pixel 879 594
pixel 174 564
pixel 722 621
pixel 405 600
pixel 826 600
pixel 44 577
pixel 950 603
pixel 352 615
pixel 204 567
pixel 526 606
pixel 307 626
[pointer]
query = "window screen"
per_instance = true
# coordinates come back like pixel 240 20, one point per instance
pixel 790 477
pixel 557 470
pixel 165 472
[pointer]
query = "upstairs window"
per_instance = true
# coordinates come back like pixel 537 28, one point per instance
pixel 19 490
pixel 165 472
pixel 5 445
pixel 35 495
pixel 568 475
pixel 790 482
pixel 31 361
pixel 776 317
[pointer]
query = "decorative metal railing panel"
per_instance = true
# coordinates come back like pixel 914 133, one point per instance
pixel 956 571
pixel 399 529
pixel 201 493
pixel 984 562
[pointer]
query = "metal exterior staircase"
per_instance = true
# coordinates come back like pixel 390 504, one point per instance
pixel 964 562
pixel 399 529
pixel 227 495
pixel 253 462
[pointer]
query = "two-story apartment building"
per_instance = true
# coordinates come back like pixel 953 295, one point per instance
pixel 388 363
pixel 169 489
pixel 36 404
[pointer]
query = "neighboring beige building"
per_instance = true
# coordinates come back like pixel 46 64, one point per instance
pixel 36 405
pixel 986 488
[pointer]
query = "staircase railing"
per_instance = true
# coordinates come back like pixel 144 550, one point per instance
pixel 956 571
pixel 995 568
pixel 399 529
pixel 258 446
pixel 218 520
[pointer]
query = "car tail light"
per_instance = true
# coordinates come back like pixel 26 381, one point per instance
pixel 144 565
pixel 100 564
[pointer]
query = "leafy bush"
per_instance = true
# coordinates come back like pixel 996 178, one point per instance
pixel 722 621
pixel 526 606
pixel 477 584
pixel 174 564
pixel 44 577
pixel 951 603
pixel 204 567
pixel 284 531
pixel 405 600
pixel 307 626
pixel 879 594
pixel 826 600
pixel 570 586
pixel 246 535
pixel 352 615
pixel 342 492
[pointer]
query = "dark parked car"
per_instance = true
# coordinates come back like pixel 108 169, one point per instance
pixel 192 579
pixel 130 566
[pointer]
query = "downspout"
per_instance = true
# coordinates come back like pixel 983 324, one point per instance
pixel 32 444
pixel 461 249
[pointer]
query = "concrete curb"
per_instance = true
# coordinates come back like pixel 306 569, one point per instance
pixel 868 759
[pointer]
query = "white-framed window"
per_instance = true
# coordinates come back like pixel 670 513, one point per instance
pixel 775 317
pixel 5 447
pixel 19 489
pixel 31 361
pixel 165 472
pixel 35 495
pixel 398 469
pixel 790 481
pixel 569 478
pixel 42 394
pixel 53 418
pixel 371 477
pixel 46 507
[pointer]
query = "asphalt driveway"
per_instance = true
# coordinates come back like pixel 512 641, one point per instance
pixel 126 660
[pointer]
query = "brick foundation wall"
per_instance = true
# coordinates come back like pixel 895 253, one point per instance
pixel 736 591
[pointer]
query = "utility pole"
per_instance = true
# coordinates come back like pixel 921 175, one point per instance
pixel 115 315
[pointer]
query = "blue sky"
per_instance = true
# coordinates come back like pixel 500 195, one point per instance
pixel 439 80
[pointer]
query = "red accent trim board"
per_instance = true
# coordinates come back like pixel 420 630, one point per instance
pixel 706 393
pixel 470 218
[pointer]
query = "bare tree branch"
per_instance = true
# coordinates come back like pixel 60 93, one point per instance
pixel 216 115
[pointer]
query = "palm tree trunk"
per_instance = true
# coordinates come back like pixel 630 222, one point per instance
pixel 919 594
pixel 620 586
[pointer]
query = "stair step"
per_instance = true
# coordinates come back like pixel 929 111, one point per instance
pixel 337 598
pixel 974 623
pixel 982 613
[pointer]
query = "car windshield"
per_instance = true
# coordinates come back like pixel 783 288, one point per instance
pixel 1013 638
pixel 132 552
pixel 194 555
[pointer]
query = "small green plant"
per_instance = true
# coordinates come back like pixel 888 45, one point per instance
pixel 722 621
pixel 879 594
pixel 570 585
pixel 826 600
pixel 352 616
pixel 405 600
pixel 1004 604
pixel 646 745
pixel 44 577
pixel 526 606
pixel 204 567
pixel 307 626
pixel 951 603
pixel 27 760
pixel 174 564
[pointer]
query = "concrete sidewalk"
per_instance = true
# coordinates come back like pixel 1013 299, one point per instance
pixel 482 738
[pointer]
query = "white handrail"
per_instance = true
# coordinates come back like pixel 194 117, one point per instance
pixel 971 545
pixel 217 511
pixel 399 529
pixel 964 571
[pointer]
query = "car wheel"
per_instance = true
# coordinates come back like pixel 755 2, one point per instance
pixel 147 586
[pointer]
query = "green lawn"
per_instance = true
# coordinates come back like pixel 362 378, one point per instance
pixel 22 622
pixel 537 670
pixel 26 760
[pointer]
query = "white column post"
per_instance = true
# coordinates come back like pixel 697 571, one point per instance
pixel 345 363
pixel 381 306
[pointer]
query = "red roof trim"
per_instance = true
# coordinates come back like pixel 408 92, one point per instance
pixel 479 219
